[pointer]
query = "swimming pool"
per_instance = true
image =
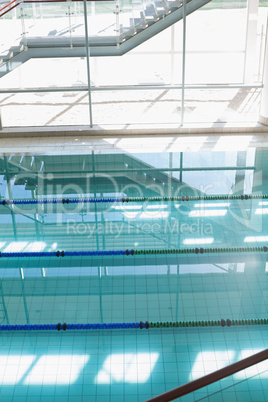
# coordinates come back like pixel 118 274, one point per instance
pixel 168 208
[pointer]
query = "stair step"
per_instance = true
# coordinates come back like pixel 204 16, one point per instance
pixel 127 33
pixel 174 5
pixel 138 27
pixel 152 18
pixel 13 51
pixel 150 22
pixel 150 9
pixel 162 5
pixel 151 12
pixel 135 25
pixel 149 17
pixel 7 57
pixel 17 49
pixel 140 22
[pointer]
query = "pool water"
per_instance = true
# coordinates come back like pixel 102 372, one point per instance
pixel 132 364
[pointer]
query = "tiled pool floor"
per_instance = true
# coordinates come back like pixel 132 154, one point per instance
pixel 129 365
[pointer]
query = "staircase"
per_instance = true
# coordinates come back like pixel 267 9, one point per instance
pixel 132 24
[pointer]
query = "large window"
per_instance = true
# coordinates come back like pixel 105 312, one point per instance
pixel 224 46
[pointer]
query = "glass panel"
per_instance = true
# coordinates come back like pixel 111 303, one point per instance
pixel 261 32
pixel 222 105
pixel 56 73
pixel 126 107
pixel 139 67
pixel 218 53
pixel 45 109
pixel 137 107
pixel 212 49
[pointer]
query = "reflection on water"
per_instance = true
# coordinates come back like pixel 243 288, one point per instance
pixel 166 287
pixel 139 287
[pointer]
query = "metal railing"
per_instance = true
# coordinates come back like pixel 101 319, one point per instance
pixel 211 378
pixel 8 7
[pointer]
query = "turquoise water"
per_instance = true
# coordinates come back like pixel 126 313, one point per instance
pixel 132 364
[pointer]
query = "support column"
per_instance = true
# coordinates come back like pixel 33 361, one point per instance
pixel 1 127
pixel 251 41
pixel 263 118
pixel 183 62
pixel 88 65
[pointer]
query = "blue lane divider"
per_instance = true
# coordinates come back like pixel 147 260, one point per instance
pixel 136 199
pixel 136 325
pixel 132 252
pixel 64 327
pixel 62 201
pixel 65 253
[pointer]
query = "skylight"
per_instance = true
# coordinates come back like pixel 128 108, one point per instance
pixel 212 204
pixel 56 369
pixel 15 247
pixel 209 361
pixel 253 239
pixel 129 368
pixel 156 206
pixel 124 207
pixel 207 240
pixel 154 215
pixel 36 246
pixel 261 211
pixel 207 213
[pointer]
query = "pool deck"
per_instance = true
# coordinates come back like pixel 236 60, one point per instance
pixel 81 140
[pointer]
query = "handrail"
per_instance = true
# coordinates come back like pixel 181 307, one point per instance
pixel 7 5
pixel 56 1
pixel 18 2
pixel 9 9
pixel 211 378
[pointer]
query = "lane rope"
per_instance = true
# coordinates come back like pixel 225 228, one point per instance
pixel 135 325
pixel 131 252
pixel 134 199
